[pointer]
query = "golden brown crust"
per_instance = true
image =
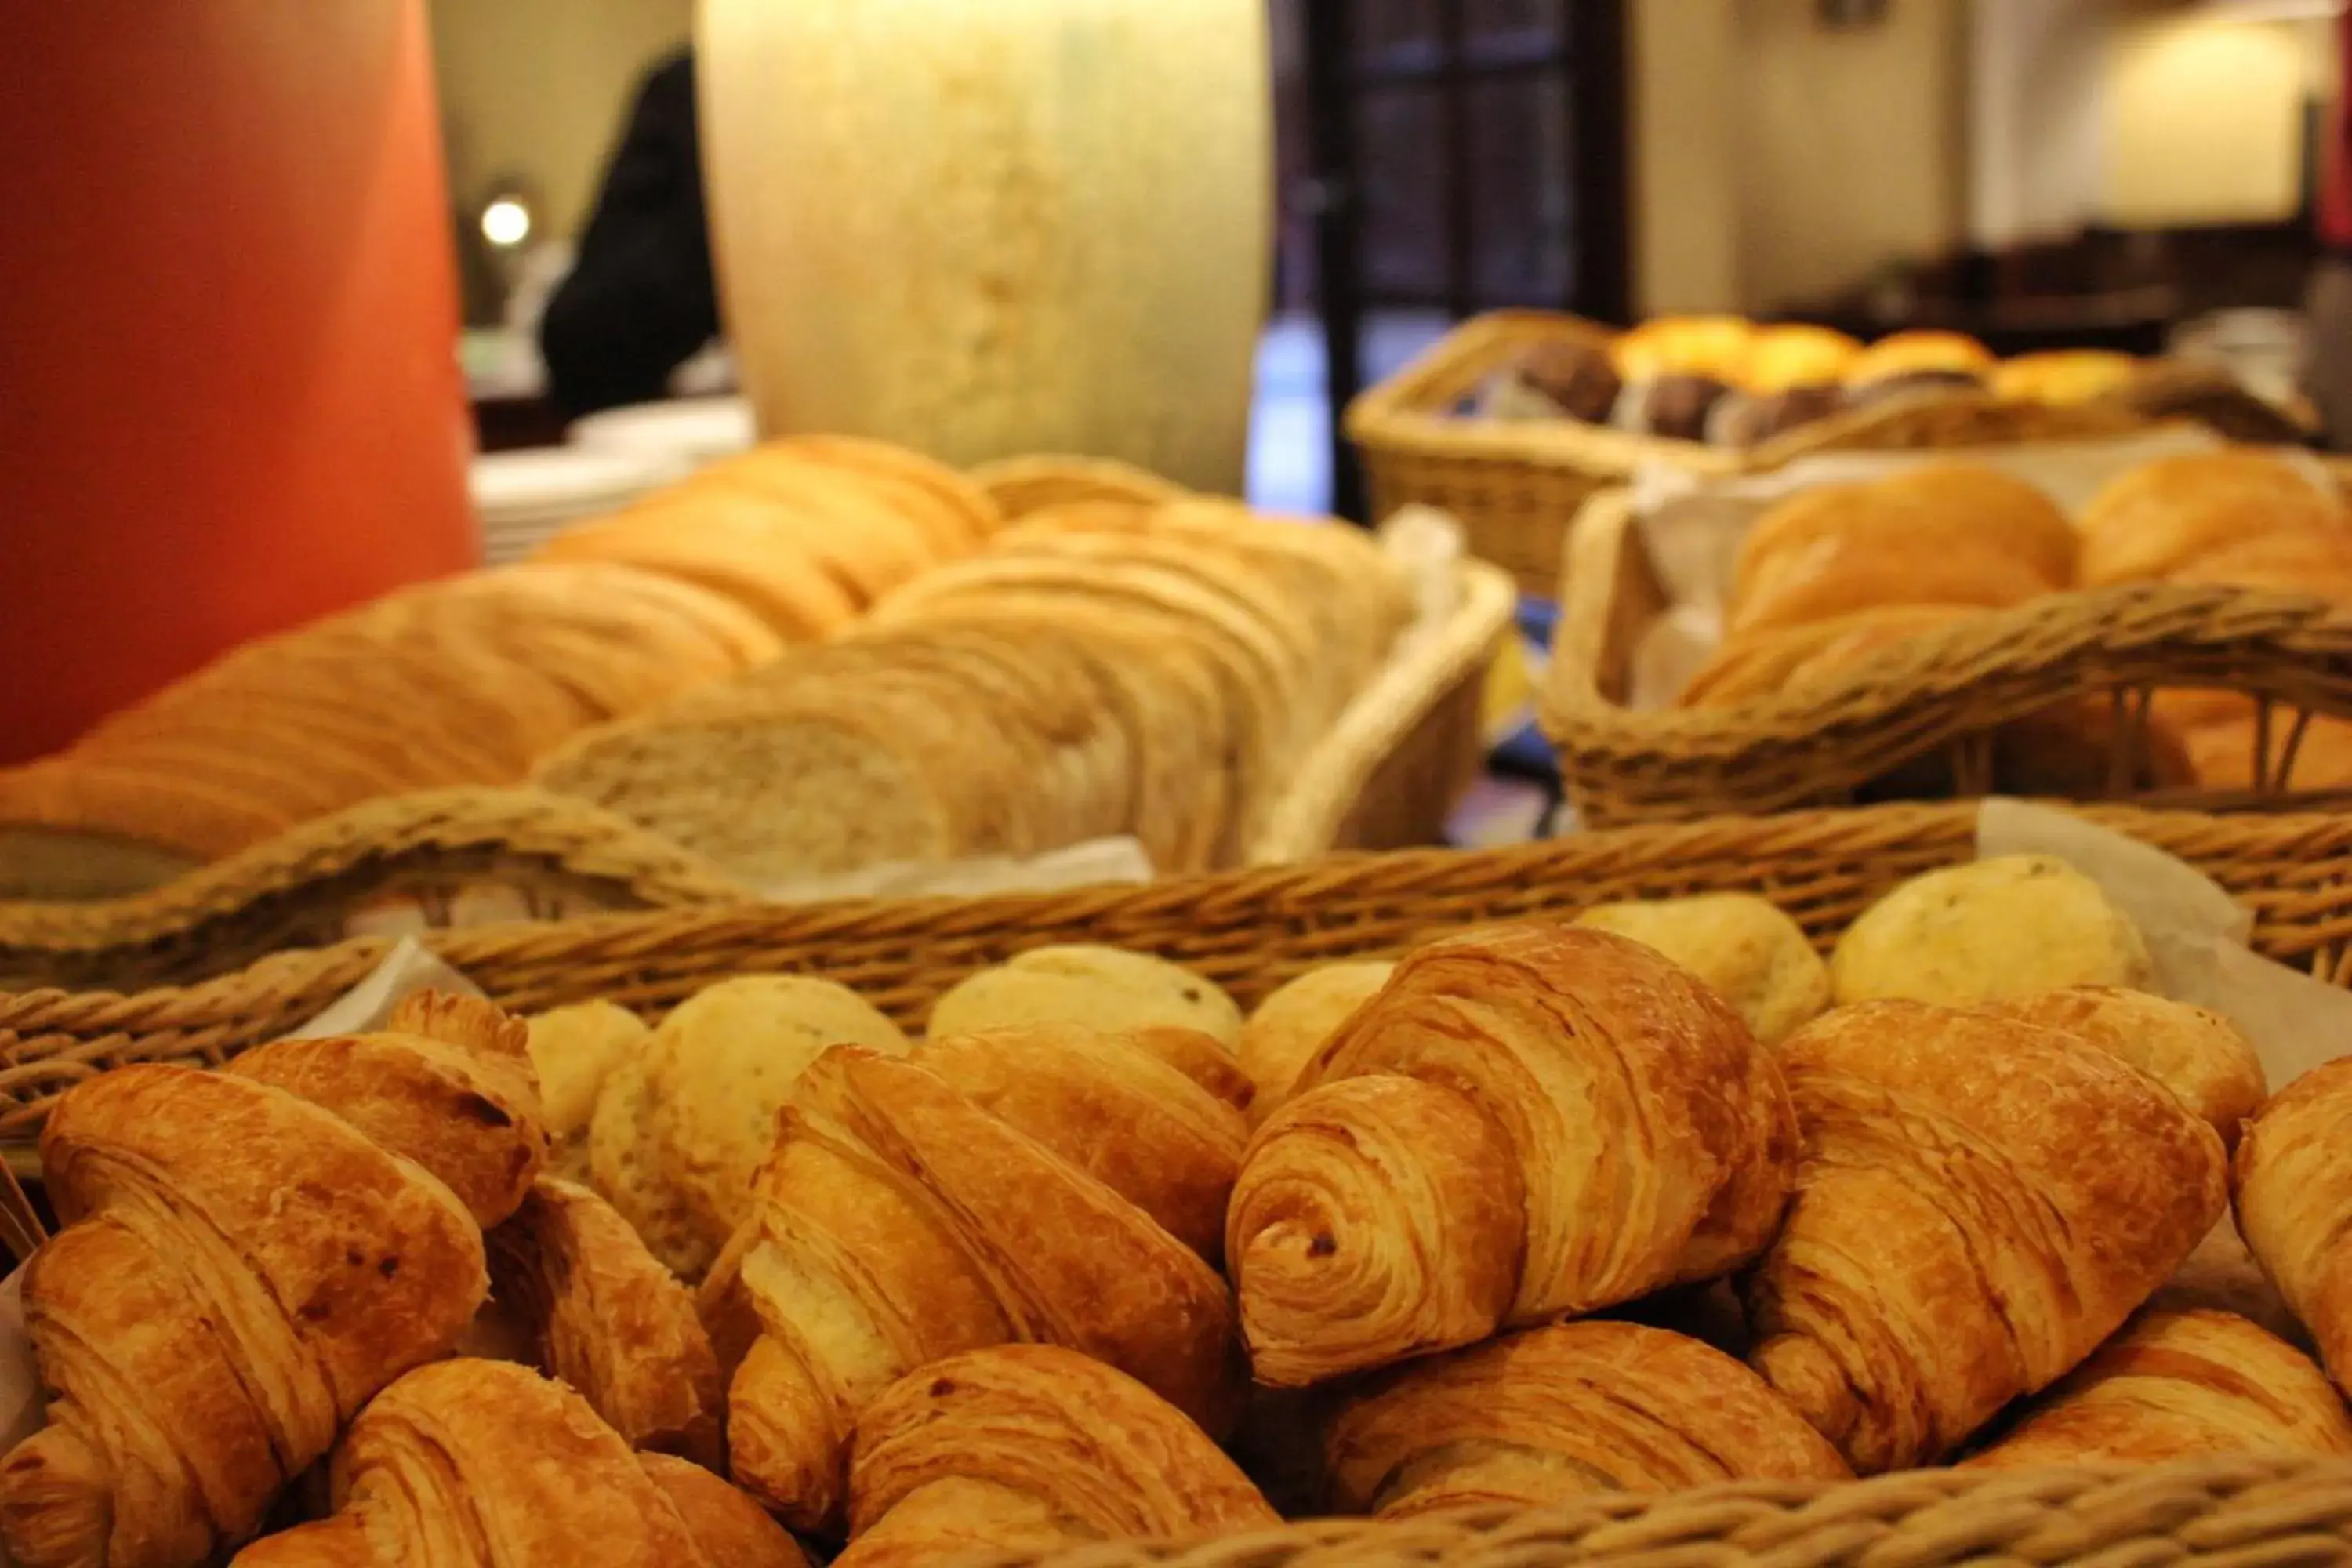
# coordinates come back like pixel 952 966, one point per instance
pixel 1290 1026
pixel 241 1270
pixel 2293 1199
pixel 2174 1385
pixel 1535 1419
pixel 1082 1445
pixel 1380 1217
pixel 449 1084
pixel 2162 516
pixel 732 1530
pixel 1554 1031
pixel 1112 1105
pixel 2195 1052
pixel 1841 574
pixel 610 1321
pixel 483 1464
pixel 897 1221
pixel 1980 1201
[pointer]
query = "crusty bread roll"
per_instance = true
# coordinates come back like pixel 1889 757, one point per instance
pixel 1291 1025
pixel 1980 501
pixel 1841 575
pixel 2010 926
pixel 1755 957
pixel 1756 664
pixel 1102 987
pixel 574 1049
pixel 2221 752
pixel 2161 516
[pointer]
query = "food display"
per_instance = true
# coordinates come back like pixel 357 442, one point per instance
pixel 472 679
pixel 1835 575
pixel 1012 1283
pixel 1732 383
pixel 1102 669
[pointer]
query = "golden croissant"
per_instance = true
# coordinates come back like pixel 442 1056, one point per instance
pixel 602 1314
pixel 1526 1121
pixel 2173 1384
pixel 240 1270
pixel 1537 1417
pixel 900 1220
pixel 2294 1181
pixel 1980 1201
pixel 482 1464
pixel 1026 1447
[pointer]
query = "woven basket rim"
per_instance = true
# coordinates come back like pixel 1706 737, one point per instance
pixel 2106 635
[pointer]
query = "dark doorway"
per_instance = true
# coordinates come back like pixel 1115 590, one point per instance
pixel 1461 155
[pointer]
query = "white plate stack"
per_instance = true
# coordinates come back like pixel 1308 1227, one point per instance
pixel 523 498
pixel 688 431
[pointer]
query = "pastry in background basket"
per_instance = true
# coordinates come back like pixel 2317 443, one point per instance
pixel 1510 1130
pixel 1028 1448
pixel 2014 925
pixel 480 1463
pixel 900 1217
pixel 2176 1385
pixel 2065 377
pixel 247 1258
pixel 1535 1419
pixel 1102 987
pixel 1980 1201
pixel 1789 376
pixel 1754 956
pixel 1160 675
pixel 1674 370
pixel 2293 1201
pixel 1296 1018
pixel 1019 486
pixel 2160 518
pixel 1918 361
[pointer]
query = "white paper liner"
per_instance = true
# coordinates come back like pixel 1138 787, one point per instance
pixel 2195 932
pixel 1692 526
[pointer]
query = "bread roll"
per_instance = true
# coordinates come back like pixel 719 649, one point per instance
pixel 1295 1020
pixel 2063 377
pixel 1788 377
pixel 2162 516
pixel 1102 987
pixel 2010 926
pixel 1977 501
pixel 1841 574
pixel 1758 664
pixel 1755 957
pixel 574 1049
pixel 1913 361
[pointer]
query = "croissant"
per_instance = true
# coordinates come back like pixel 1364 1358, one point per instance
pixel 1539 1417
pixel 2174 1385
pixel 2294 1179
pixel 1980 1202
pixel 2196 1052
pixel 898 1221
pixel 447 1083
pixel 484 1464
pixel 1023 1447
pixel 606 1317
pixel 732 1530
pixel 1527 1121
pixel 239 1271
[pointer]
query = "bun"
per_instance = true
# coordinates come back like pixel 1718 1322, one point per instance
pixel 2162 516
pixel 1781 358
pixel 1756 664
pixel 1752 955
pixel 1839 576
pixel 1979 502
pixel 1296 1019
pixel 2014 925
pixel 1713 347
pixel 1912 358
pixel 2063 377
pixel 1102 987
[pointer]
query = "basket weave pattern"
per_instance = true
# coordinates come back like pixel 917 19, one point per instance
pixel 2232 1513
pixel 1941 692
pixel 1250 931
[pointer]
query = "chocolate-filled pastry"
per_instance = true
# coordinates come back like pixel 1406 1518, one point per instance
pixel 1674 370
pixel 1916 362
pixel 1676 406
pixel 1577 378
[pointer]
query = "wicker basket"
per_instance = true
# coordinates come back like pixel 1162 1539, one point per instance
pixel 1250 931
pixel 2226 1512
pixel 1516 484
pixel 1938 696
pixel 1384 778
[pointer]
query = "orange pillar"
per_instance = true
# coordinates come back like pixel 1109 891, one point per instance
pixel 229 393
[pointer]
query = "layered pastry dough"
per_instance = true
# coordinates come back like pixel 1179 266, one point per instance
pixel 1980 1201
pixel 1535 1419
pixel 2294 1179
pixel 2195 1052
pixel 243 1267
pixel 900 1220
pixel 1574 1121
pixel 604 1315
pixel 480 1463
pixel 2174 1385
pixel 1025 1448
